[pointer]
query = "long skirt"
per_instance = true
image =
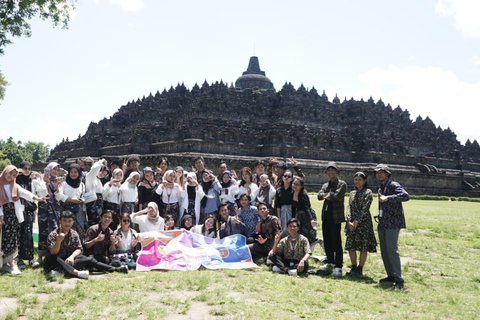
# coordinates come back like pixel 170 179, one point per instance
pixel 80 217
pixel 285 215
pixel 48 217
pixel 10 233
pixel 306 228
pixel 94 210
pixel 172 209
pixel 25 249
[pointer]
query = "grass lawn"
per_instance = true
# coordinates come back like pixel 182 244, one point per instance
pixel 440 253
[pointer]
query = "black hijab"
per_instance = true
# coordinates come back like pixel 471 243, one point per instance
pixel 74 183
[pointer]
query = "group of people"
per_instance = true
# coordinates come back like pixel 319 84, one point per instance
pixel 90 219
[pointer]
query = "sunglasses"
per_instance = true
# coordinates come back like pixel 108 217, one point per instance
pixel 126 220
pixel 287 175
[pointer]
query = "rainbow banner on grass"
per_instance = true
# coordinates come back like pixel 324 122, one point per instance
pixel 184 250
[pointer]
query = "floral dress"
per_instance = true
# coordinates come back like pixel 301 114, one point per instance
pixel 363 238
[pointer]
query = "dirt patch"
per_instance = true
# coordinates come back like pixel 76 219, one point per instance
pixel 8 305
pixel 405 260
pixel 68 283
pixel 197 311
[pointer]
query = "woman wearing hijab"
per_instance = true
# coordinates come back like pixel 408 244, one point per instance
pixel 146 188
pixel 210 202
pixel 111 194
pixel 25 250
pixel 227 190
pixel 192 197
pixel 48 211
pixel 171 194
pixel 71 192
pixel 129 194
pixel 11 216
pixel 149 219
pixel 94 190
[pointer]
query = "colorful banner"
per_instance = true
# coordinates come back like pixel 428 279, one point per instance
pixel 184 250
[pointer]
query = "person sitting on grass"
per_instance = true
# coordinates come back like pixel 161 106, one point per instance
pixel 266 230
pixel 100 239
pixel 292 252
pixel 65 250
pixel 230 225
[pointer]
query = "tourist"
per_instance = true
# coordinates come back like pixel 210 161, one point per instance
pixel 230 225
pixel 247 185
pixel 284 198
pixel 332 194
pixel 199 166
pixel 266 230
pixel 65 252
pixel 146 189
pixel 112 166
pixel 303 212
pixel 11 216
pixel 187 222
pixel 94 189
pixel 180 176
pixel 132 165
pixel 290 254
pixel 161 169
pixel 266 192
pixel 171 195
pixel 391 219
pixel 221 167
pixel 112 196
pixel 126 237
pixel 126 243
pixel 247 214
pixel 71 193
pixel 25 248
pixel 169 223
pixel 149 219
pixel 259 171
pixel 100 239
pixel 83 165
pixel 359 226
pixel 192 197
pixel 208 229
pixel 210 201
pixel 280 167
pixel 129 195
pixel 48 211
pixel 227 189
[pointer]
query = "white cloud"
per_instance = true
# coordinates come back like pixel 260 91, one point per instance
pixel 476 61
pixel 465 14
pixel 429 91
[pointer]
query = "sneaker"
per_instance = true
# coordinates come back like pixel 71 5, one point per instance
pixel 15 270
pixel 83 274
pixel 55 273
pixel 337 272
pixel 122 269
pixel 351 273
pixel 34 264
pixel 327 267
pixel 131 264
pixel 387 279
pixel 21 265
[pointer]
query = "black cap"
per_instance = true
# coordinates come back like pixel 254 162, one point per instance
pixel 333 165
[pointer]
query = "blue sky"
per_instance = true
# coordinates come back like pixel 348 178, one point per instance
pixel 421 55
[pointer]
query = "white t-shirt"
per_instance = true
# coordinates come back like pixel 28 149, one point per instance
pixel 146 226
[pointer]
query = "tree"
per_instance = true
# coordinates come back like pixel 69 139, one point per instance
pixel 3 84
pixel 39 151
pixel 16 14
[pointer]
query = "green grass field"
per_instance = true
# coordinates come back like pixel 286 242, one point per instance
pixel 440 252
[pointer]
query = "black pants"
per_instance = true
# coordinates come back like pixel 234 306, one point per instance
pixel 81 262
pixel 281 262
pixel 258 250
pixel 332 240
